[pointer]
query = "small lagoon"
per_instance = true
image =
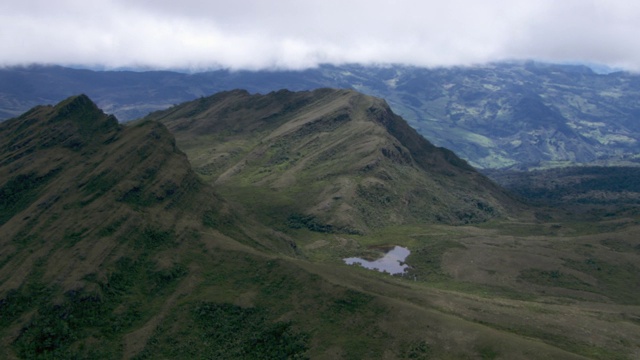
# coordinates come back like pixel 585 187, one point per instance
pixel 392 262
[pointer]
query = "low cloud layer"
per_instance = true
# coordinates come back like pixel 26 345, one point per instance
pixel 294 34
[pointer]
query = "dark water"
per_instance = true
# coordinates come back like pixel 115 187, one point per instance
pixel 392 262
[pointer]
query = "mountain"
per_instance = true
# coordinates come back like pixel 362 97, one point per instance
pixel 113 247
pixel 58 160
pixel 128 94
pixel 335 160
pixel 104 228
pixel 522 115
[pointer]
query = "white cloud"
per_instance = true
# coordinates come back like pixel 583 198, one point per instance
pixel 255 34
pixel 578 30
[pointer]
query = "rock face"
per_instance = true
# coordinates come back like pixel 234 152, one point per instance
pixel 333 160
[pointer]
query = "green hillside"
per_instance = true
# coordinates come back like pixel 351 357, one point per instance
pixel 114 244
pixel 329 160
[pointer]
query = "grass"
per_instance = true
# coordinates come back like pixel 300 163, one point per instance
pixel 225 331
pixel 617 281
pixel 621 245
pixel 161 276
pixel 125 300
pixel 307 315
pixel 271 207
pixel 486 291
pixel 613 280
pixel 334 159
pixel 32 293
pixel 426 259
pixel 578 347
pixel 20 191
pixel 555 278
pixel 520 229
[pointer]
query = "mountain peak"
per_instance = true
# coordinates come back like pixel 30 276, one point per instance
pixel 82 111
pixel 71 161
pixel 337 160
pixel 77 100
pixel 426 155
pixel 74 123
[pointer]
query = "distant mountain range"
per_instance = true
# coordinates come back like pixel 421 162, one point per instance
pixel 506 115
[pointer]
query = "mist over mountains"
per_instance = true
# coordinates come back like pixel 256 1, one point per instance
pixel 522 115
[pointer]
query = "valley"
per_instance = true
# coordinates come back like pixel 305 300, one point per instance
pixel 217 228
pixel 560 283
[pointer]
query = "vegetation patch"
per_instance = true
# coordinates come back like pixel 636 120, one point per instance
pixel 19 192
pixel 376 194
pixel 351 302
pixel 216 220
pixel 419 350
pixel 620 245
pixel 100 183
pixel 426 260
pixel 299 221
pixel 19 301
pixel 112 227
pixel 135 196
pixel 70 327
pixel 563 342
pixel 73 237
pixel 617 281
pixel 487 352
pixel 152 239
pixel 555 278
pixel 50 333
pixel 226 331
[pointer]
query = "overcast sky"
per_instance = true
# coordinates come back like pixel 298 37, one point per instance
pixel 295 34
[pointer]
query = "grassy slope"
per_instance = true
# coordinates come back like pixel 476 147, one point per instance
pixel 92 268
pixel 337 158
pixel 569 284
pixel 515 291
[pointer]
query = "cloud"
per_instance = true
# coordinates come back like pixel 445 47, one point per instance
pixel 257 34
pixel 578 30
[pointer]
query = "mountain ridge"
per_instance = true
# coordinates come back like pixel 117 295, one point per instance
pixel 113 247
pixel 344 157
pixel 55 167
pixel 95 219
